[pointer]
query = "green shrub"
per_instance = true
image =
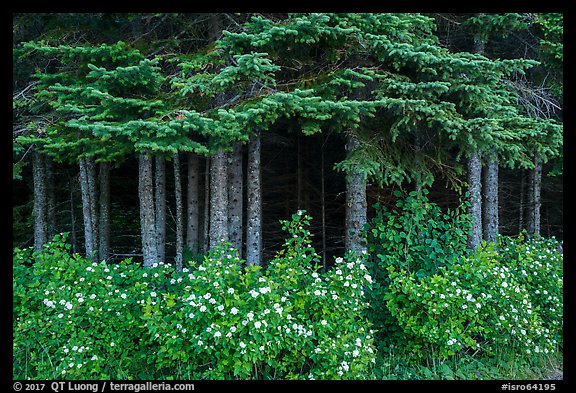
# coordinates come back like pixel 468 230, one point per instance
pixel 75 319
pixel 444 301
pixel 287 321
pixel 414 236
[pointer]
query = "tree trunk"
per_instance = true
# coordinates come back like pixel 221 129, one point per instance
pixel 87 189
pixel 179 213
pixel 521 207
pixel 475 195
pixel 193 204
pixel 147 211
pixel 91 172
pixel 235 197
pixel 356 205
pixel 160 203
pixel 491 222
pixel 104 201
pixel 218 199
pixel 206 208
pixel 254 208
pixel 39 211
pixel 534 198
pixel 323 202
pixel 50 198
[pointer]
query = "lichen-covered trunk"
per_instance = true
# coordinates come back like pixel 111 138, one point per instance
pixel 356 205
pixel 218 199
pixel 40 202
pixel 160 204
pixel 490 203
pixel 179 213
pixel 475 195
pixel 104 204
pixel 235 199
pixel 205 244
pixel 87 188
pixel 193 204
pixel 92 187
pixel 147 210
pixel 254 206
pixel 534 198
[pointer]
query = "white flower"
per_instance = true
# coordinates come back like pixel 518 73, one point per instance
pixel 232 329
pixel 323 322
pixel 230 290
pixel 202 308
pixel 123 296
pixel 200 342
pixel 212 301
pixel 505 284
pixel 339 260
pixel 60 315
pixel 368 278
pixel 153 294
pixel 94 357
pixel 92 297
pixel 263 290
pixel 220 307
pixel 144 274
pixel 355 353
pixel 68 306
pixel 257 324
pixel 242 345
pixel 317 292
pixel 207 295
pixel 112 344
pixel 217 334
pixel 234 311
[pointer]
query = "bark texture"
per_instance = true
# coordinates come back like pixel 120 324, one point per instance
pixel 254 207
pixel 235 197
pixel 147 210
pixel 87 188
pixel 179 213
pixel 475 195
pixel 491 222
pixel 193 204
pixel 160 203
pixel 104 204
pixel 218 199
pixel 356 216
pixel 40 202
pixel 534 198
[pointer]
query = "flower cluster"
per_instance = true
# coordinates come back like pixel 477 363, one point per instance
pixel 264 323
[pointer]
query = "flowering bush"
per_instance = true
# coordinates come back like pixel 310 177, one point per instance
pixel 283 322
pixel 414 236
pixel 75 319
pixel 504 296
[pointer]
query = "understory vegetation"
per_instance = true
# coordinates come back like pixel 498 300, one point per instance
pixel 416 305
